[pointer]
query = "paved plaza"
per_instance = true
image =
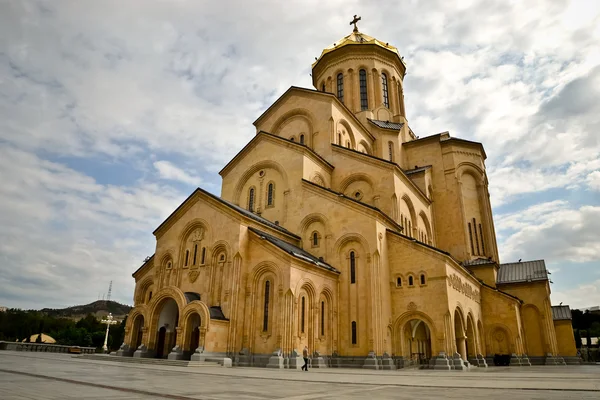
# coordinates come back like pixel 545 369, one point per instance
pixel 56 376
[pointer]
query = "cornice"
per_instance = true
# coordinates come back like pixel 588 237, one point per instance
pixel 147 263
pixel 379 162
pixel 353 203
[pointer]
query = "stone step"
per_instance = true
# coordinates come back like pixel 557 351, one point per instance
pixel 149 361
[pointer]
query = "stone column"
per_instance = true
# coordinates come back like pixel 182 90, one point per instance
pixel 461 344
pixel 371 90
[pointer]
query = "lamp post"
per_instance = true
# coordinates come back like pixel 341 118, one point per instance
pixel 108 321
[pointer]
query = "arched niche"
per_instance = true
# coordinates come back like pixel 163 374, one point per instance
pixel 359 187
pixel 295 123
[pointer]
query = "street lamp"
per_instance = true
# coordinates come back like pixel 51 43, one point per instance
pixel 108 321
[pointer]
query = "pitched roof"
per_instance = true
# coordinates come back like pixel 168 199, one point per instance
pixel 526 271
pixel 234 207
pixel 294 251
pixel 262 134
pixel 478 261
pixel 387 124
pixel 561 313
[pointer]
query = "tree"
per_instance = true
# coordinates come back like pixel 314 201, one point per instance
pixel 577 338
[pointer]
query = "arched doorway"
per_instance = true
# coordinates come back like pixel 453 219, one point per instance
pixel 166 334
pixel 137 332
pixel 459 334
pixel 192 334
pixel 417 342
pixel 471 339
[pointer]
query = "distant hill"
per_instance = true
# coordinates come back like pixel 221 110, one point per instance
pixel 99 309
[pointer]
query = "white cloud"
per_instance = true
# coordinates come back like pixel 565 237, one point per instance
pixel 582 296
pixel 145 82
pixel 593 180
pixel 554 231
pixel 167 170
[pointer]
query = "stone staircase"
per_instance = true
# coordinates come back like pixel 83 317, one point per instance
pixel 149 361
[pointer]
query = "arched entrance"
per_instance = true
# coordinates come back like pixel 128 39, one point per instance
pixel 459 334
pixel 471 339
pixel 417 341
pixel 166 334
pixel 137 332
pixel 192 334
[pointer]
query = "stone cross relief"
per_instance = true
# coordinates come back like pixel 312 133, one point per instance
pixel 198 235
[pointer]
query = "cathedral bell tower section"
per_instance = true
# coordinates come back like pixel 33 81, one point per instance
pixel 365 74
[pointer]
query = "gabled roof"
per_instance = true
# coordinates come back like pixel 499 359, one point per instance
pixel 478 261
pixel 146 262
pixel 417 170
pixel 446 139
pixel 234 207
pixel 387 124
pixel 331 96
pixel 262 134
pixel 293 250
pixel 526 271
pixel 561 313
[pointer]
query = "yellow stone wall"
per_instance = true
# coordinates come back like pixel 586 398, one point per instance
pixel 565 338
pixel 383 228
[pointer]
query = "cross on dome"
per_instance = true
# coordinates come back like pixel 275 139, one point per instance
pixel 354 21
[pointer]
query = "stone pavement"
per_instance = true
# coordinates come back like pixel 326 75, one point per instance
pixel 57 376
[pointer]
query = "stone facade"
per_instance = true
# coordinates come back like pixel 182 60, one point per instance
pixel 338 229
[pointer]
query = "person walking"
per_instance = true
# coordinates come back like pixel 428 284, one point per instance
pixel 305 356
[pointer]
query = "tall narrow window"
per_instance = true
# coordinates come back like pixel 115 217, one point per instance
pixel 340 87
pixel 398 281
pixel 384 87
pixel 270 194
pixel 203 255
pixel 352 267
pixel 348 144
pixel 471 239
pixel 315 239
pixel 195 252
pixel 150 296
pixel 322 318
pixel 302 315
pixel 266 311
pixel 422 279
pixel 353 332
pixel 410 281
pixel 340 139
pixel 187 257
pixel 476 239
pixel 410 232
pixel 323 87
pixel 301 139
pixel 364 102
pixel 391 151
pixel 251 200
pixel 481 236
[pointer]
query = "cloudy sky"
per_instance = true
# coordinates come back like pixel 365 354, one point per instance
pixel 112 112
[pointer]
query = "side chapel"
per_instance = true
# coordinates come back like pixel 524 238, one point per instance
pixel 341 230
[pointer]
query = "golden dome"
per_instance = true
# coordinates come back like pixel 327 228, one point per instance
pixel 357 38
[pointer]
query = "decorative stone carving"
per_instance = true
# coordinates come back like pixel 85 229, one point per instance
pixel 411 306
pixel 465 288
pixel 193 275
pixel 197 235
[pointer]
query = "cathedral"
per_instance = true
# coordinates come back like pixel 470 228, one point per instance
pixel 340 230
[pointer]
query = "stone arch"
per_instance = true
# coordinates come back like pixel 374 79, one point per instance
pixel 162 298
pixel 471 339
pixel 349 130
pixel 412 216
pixel 427 226
pixel 460 331
pixel 142 291
pixel 532 324
pixel 301 114
pixel 137 316
pixel 422 273
pixel 365 146
pixel 500 340
pixel 164 260
pixel 265 164
pixel 190 327
pixel 398 327
pixel 259 315
pixel 470 168
pixel 318 179
pixel 358 186
pixel 189 229
pixel 351 237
